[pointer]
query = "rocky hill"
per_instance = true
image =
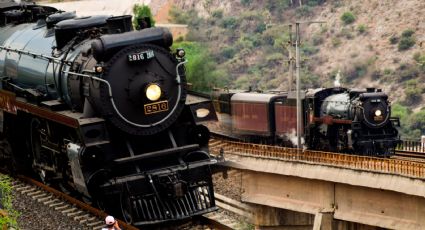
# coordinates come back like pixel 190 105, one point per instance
pixel 372 43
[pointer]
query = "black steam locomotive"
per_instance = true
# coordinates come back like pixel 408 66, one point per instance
pixel 92 106
pixel 333 119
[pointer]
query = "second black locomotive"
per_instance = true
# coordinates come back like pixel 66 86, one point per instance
pixel 333 119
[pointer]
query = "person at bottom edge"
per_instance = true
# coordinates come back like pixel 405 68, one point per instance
pixel 111 224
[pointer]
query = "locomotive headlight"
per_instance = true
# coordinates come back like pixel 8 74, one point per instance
pixel 180 53
pixel 153 92
pixel 378 113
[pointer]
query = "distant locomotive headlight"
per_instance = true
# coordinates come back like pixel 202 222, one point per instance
pixel 181 53
pixel 153 92
pixel 378 113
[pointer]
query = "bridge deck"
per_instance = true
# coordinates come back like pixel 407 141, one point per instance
pixel 379 192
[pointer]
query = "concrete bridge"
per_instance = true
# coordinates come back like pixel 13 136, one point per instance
pixel 320 190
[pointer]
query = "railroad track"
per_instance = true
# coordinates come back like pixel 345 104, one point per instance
pixel 410 155
pixel 79 211
pixel 92 218
pixel 386 165
pixel 406 155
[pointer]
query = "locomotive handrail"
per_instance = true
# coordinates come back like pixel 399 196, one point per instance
pixel 393 166
pixel 34 55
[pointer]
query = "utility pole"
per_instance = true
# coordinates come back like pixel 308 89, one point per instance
pixel 291 61
pixel 297 67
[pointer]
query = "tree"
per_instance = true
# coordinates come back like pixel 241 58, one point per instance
pixel 141 12
pixel 201 69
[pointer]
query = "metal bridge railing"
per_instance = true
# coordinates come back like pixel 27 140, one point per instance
pixel 411 146
pixel 390 166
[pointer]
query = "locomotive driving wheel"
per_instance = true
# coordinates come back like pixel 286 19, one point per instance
pixel 6 158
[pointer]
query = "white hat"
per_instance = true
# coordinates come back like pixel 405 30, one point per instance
pixel 109 220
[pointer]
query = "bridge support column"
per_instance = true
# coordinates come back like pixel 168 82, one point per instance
pixel 271 218
pixel 323 221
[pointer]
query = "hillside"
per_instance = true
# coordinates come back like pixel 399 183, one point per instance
pixel 376 43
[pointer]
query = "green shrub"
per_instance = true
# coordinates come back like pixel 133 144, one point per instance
pixel 376 74
pixel 275 36
pixel 309 79
pixel 275 58
pixel 304 11
pixel 336 42
pixel 217 14
pixel 246 2
pixel 405 43
pixel 260 28
pixel 417 121
pixel 317 40
pixel 362 28
pixel 183 17
pixel 307 49
pixel 407 33
pixel 412 95
pixel 394 39
pixel 142 11
pixel 345 32
pixel 323 29
pixel 348 17
pixel 420 60
pixel 229 23
pixel 314 2
pixel 277 5
pixel 407 72
pixel 358 70
pixel 400 111
pixel 9 221
pixel 413 92
pixel 228 52
pixel 388 71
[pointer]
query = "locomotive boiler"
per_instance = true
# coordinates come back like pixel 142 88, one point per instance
pixel 333 119
pixel 92 106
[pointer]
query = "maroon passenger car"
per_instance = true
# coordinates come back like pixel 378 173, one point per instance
pixel 253 115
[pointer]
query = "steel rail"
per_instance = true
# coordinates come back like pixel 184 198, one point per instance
pixel 410 154
pixel 213 223
pixel 78 203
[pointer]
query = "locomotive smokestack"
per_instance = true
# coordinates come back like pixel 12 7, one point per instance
pixel 337 82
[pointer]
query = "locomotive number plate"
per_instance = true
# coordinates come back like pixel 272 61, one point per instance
pixel 378 118
pixel 156 107
pixel 145 55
